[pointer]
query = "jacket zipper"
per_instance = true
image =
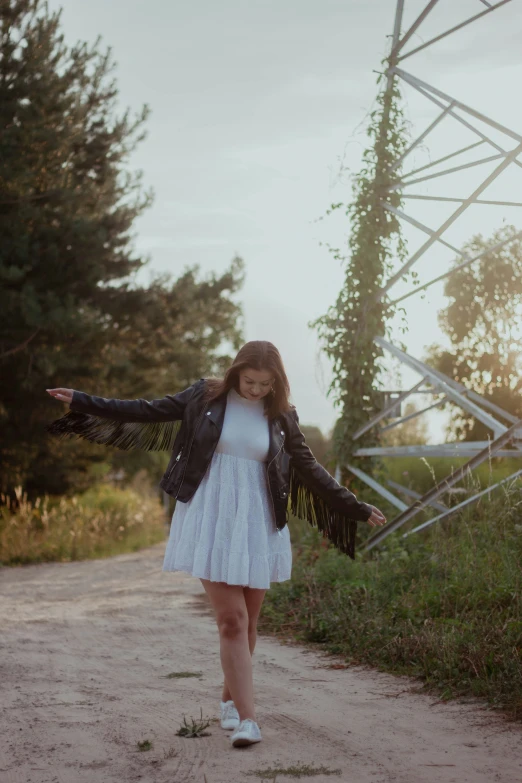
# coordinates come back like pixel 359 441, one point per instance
pixel 174 463
pixel 269 488
pixel 189 448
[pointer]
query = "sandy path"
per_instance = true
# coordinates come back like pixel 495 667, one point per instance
pixel 85 648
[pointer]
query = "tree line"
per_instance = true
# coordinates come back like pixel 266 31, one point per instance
pixel 71 310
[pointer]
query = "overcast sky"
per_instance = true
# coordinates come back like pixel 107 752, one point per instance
pixel 256 107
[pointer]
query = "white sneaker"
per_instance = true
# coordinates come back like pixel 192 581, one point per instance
pixel 229 715
pixel 246 733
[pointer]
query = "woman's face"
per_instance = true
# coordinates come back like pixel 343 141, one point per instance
pixel 255 384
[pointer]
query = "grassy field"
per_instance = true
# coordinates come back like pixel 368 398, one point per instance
pixel 101 522
pixel 444 605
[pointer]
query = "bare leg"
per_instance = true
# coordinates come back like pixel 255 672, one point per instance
pixel 254 600
pixel 232 619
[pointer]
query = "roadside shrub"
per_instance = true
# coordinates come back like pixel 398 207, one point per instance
pixel 103 521
pixel 444 605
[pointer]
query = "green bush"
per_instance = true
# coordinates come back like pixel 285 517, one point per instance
pixel 103 521
pixel 444 605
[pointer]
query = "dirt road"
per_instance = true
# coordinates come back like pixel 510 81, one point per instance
pixel 86 649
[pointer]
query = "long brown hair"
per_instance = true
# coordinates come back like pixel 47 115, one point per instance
pixel 257 355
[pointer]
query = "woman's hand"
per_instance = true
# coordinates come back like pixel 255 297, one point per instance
pixel 65 395
pixel 377 517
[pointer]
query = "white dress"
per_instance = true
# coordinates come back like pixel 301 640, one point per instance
pixel 227 532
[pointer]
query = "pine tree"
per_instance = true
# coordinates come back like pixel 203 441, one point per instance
pixel 70 314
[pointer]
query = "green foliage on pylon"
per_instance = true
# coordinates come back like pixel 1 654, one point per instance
pixel 348 328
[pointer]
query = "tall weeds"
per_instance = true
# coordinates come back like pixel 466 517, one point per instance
pixel 444 605
pixel 102 521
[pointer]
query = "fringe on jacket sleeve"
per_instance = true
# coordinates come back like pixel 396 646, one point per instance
pixel 125 435
pixel 335 525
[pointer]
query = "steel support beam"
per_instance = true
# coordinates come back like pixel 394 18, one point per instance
pixel 445 158
pixel 414 80
pixel 454 29
pixel 453 217
pixel 490 405
pixel 385 493
pixel 404 183
pixel 399 8
pixel 445 387
pixel 421 138
pixel 464 122
pixel 386 412
pixel 465 391
pixel 415 495
pixel 416 24
pixel 455 450
pixel 464 503
pixel 437 279
pixel 453 478
pixel 421 227
pixel 460 200
pixel 413 415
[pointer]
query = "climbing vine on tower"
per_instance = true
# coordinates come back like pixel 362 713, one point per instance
pixel 348 328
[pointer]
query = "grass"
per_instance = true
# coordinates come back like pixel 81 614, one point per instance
pixel 421 474
pixel 444 605
pixel 298 771
pixel 102 522
pixel 194 727
pixel 181 675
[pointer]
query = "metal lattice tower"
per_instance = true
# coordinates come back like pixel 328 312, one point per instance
pixel 493 145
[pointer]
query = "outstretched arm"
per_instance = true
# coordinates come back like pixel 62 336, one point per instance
pixel 168 408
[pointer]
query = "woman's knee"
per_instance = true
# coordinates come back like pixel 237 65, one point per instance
pixel 232 623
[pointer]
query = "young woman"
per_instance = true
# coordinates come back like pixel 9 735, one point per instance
pixel 239 463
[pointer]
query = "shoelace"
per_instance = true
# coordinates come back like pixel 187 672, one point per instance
pixel 247 722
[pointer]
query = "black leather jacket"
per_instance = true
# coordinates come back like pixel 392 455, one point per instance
pixel 190 427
